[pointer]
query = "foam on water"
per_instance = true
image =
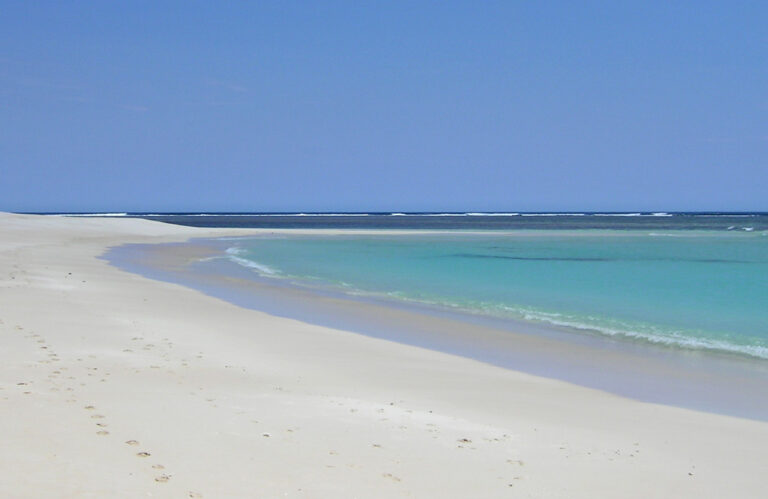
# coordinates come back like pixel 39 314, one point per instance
pixel 697 340
pixel 90 214
pixel 553 214
pixel 235 255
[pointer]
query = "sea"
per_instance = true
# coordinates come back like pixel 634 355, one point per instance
pixel 688 281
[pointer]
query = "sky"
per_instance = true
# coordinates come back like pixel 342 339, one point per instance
pixel 383 106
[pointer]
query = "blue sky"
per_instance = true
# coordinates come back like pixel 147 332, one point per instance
pixel 331 106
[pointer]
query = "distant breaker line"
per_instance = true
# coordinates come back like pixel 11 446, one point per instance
pixel 414 214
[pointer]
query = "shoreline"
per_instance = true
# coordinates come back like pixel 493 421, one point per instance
pixel 717 382
pixel 196 397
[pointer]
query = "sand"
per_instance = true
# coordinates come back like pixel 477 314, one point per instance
pixel 115 385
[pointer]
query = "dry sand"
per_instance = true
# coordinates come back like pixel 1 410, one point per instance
pixel 114 385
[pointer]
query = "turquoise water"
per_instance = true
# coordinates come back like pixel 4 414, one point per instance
pixel 685 289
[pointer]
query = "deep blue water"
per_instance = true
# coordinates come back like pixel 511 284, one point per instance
pixel 470 221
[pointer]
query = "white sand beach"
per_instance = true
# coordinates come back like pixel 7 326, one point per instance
pixel 115 385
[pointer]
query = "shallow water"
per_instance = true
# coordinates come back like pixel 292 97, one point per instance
pixel 692 289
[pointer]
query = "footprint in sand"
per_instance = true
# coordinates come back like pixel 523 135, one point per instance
pixel 102 432
pixel 132 442
pixel 162 478
pixel 143 454
pixel 158 466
